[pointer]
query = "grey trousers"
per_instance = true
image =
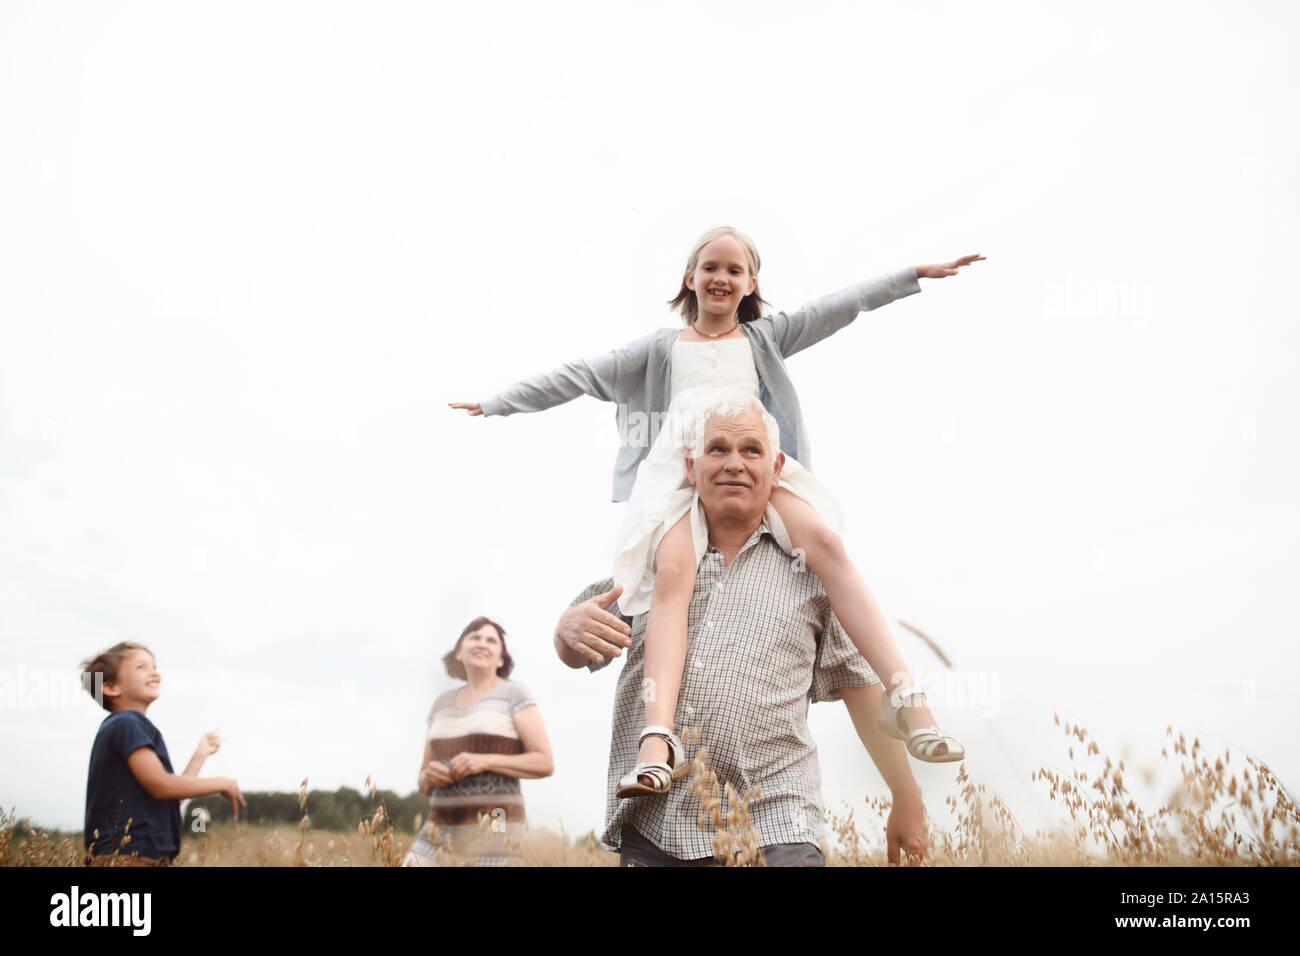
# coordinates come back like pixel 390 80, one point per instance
pixel 636 850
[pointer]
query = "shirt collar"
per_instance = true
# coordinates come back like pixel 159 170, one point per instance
pixel 764 528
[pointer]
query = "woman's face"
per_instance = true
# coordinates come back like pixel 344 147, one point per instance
pixel 481 649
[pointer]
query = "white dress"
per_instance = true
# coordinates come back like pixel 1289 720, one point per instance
pixel 662 493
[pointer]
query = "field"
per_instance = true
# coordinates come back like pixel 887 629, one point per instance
pixel 1217 816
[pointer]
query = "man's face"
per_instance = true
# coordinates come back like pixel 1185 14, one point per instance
pixel 735 473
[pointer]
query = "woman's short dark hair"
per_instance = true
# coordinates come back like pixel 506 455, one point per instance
pixel 457 670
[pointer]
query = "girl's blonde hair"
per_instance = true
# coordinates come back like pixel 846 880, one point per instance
pixel 751 306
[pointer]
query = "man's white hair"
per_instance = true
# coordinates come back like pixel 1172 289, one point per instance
pixel 730 403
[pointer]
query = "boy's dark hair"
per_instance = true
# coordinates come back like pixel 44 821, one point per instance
pixel 106 663
pixel 457 670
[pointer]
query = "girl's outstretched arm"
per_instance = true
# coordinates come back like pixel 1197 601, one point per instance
pixel 796 331
pixel 598 377
pixel 943 269
pixel 825 316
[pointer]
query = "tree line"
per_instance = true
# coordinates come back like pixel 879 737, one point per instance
pixel 341 809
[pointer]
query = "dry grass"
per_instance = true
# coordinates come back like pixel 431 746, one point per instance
pixel 1216 816
pixel 735 843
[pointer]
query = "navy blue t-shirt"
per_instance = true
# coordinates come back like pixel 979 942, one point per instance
pixel 114 796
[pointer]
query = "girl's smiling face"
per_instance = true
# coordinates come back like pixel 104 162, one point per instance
pixel 721 278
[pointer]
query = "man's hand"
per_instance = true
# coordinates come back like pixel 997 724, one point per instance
pixel 209 744
pixel 941 269
pixel 434 774
pixel 906 828
pixel 466 765
pixel 472 407
pixel 588 632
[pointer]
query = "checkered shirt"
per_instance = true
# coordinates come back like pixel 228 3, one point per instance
pixel 762 641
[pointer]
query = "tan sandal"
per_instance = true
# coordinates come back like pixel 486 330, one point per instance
pixel 923 743
pixel 661 775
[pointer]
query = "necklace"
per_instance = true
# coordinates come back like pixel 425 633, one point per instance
pixel 700 331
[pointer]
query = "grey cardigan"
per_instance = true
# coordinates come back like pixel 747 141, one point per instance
pixel 636 376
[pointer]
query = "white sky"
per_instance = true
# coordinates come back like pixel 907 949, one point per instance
pixel 249 251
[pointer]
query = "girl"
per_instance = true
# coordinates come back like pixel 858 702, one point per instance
pixel 727 343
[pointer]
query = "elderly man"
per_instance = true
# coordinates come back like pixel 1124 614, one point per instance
pixel 762 642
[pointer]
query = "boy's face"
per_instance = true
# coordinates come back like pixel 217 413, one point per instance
pixel 137 683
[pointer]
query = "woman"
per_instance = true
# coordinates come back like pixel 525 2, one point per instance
pixel 481 739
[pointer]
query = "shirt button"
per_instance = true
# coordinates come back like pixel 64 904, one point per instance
pixel 708 623
pixel 699 663
pixel 718 585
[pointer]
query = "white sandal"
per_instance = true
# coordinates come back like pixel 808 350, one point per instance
pixel 923 743
pixel 662 774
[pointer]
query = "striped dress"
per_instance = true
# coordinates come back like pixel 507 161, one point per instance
pixel 478 820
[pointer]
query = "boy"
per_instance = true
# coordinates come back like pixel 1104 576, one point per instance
pixel 133 809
